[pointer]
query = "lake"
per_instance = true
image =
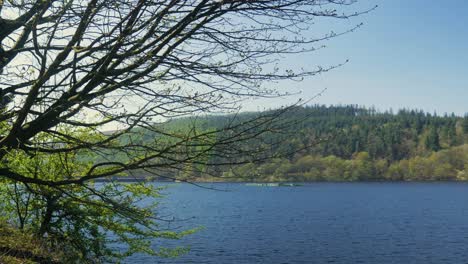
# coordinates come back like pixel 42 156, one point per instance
pixel 320 223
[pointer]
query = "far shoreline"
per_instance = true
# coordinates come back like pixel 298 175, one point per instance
pixel 197 181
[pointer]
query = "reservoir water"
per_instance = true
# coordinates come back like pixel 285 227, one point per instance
pixel 319 223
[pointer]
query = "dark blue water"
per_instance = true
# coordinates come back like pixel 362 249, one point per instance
pixel 321 223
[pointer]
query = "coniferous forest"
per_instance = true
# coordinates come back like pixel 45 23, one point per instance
pixel 353 143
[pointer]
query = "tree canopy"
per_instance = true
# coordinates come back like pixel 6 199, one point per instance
pixel 71 70
pixel 352 143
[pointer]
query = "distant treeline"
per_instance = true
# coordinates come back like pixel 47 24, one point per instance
pixel 350 143
pixel 450 164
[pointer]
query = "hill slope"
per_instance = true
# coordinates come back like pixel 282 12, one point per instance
pixel 346 143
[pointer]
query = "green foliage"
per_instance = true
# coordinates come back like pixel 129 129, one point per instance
pixel 432 140
pixel 450 164
pixel 349 143
pixel 84 220
pixel 343 131
pixel 465 124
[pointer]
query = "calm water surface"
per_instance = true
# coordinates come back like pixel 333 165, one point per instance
pixel 320 223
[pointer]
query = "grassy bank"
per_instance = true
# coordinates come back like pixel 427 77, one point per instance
pixel 20 247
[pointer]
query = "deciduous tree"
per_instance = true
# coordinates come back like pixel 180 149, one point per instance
pixel 72 69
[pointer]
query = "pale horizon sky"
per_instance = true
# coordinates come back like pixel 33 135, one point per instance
pixel 409 54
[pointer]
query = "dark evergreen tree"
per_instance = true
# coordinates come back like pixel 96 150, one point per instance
pixel 465 124
pixel 432 140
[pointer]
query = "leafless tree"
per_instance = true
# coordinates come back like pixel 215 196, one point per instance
pixel 73 67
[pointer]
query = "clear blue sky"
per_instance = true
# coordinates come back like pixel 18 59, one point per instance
pixel 409 54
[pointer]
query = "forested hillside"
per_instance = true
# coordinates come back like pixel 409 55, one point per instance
pixel 348 143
